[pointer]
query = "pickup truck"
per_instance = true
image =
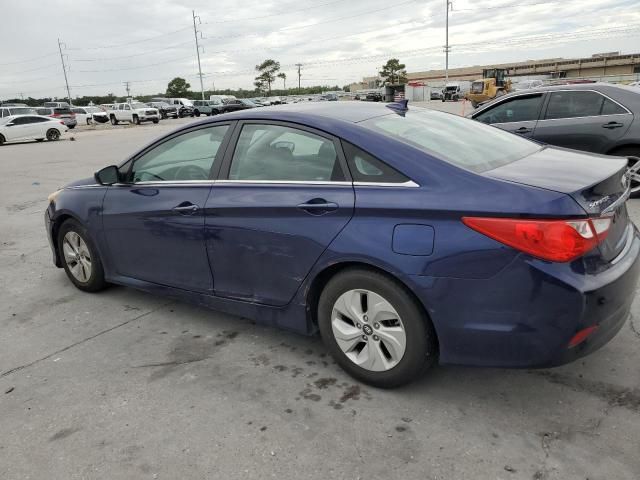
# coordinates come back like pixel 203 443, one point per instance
pixel 134 112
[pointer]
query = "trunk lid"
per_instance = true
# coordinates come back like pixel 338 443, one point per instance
pixel 598 183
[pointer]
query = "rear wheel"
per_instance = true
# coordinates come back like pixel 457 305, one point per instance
pixel 113 120
pixel 89 122
pixel 136 120
pixel 196 113
pixel 375 329
pixel 631 151
pixel 53 134
pixel 2 140
pixel 155 120
pixel 71 127
pixel 80 258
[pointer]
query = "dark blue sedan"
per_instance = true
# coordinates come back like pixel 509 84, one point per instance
pixel 404 236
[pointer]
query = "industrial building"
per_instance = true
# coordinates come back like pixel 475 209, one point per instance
pixel 610 66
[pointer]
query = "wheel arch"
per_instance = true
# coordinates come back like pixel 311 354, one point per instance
pixel 55 228
pixel 322 278
pixel 624 146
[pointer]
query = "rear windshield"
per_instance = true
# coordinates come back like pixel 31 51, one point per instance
pixel 457 140
pixel 62 110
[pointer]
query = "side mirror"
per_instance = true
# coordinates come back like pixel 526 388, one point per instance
pixel 108 175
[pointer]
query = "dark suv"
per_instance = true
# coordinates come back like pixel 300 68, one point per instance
pixel 165 109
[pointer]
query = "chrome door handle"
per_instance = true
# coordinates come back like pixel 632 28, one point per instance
pixel 186 208
pixel 318 206
pixel 611 125
pixel 523 130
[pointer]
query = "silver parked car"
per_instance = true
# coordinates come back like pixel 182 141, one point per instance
pixel 594 117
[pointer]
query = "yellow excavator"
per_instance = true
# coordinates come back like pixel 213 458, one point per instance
pixel 493 84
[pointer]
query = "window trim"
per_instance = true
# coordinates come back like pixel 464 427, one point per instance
pixel 542 107
pixel 546 107
pixel 215 168
pixel 223 174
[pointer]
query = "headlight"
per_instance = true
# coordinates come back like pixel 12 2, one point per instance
pixel 52 197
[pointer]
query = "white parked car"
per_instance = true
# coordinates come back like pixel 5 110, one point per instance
pixel 134 112
pixel 89 115
pixel 528 84
pixel 30 127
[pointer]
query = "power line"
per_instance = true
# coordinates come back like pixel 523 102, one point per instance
pixel 148 39
pixel 233 20
pixel 29 59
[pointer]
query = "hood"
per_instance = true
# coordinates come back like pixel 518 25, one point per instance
pixel 83 182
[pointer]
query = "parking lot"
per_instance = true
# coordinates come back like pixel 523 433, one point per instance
pixel 124 385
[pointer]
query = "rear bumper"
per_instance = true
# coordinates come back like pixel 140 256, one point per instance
pixel 526 315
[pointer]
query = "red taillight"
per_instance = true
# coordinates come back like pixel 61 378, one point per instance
pixel 582 335
pixel 61 122
pixel 554 240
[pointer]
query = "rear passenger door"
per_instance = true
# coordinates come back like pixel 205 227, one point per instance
pixel 516 115
pixel 582 120
pixel 283 195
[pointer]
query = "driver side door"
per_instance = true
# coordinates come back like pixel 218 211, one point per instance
pixel 154 221
pixel 516 114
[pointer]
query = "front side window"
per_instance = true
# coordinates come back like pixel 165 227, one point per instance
pixel 519 109
pixel 576 104
pixel 278 153
pixel 459 141
pixel 189 156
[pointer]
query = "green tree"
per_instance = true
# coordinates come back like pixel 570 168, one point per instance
pixel 267 73
pixel 178 87
pixel 346 88
pixel 394 72
pixel 283 76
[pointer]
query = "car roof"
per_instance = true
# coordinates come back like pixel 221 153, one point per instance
pixel 352 112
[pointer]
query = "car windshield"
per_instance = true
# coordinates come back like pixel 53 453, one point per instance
pixel 459 141
pixel 138 105
pixel 92 109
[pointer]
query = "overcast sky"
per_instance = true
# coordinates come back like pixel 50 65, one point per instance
pixel 148 42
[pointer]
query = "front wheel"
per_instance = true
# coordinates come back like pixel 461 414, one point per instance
pixel 80 258
pixel 374 329
pixel 2 140
pixel 53 134
pixel 197 113
pixel 136 120
pixel 155 120
pixel 71 127
pixel 113 120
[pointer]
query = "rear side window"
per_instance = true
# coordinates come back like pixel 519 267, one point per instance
pixel 576 104
pixel 518 109
pixel 366 168
pixel 44 111
pixel 462 142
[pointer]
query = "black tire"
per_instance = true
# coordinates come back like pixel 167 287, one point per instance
pixel 629 151
pixel 89 122
pixel 214 112
pixel 136 120
pixel 421 343
pixel 155 120
pixel 113 120
pixel 196 113
pixel 2 140
pixel 163 115
pixel 53 134
pixel 96 281
pixel 71 127
pixel 37 140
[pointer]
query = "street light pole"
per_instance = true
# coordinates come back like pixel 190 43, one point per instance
pixel 195 32
pixel 64 70
pixel 447 49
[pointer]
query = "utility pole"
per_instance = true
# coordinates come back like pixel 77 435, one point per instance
pixel 299 65
pixel 64 70
pixel 195 33
pixel 447 48
pixel 126 85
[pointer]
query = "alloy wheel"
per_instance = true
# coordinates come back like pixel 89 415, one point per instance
pixel 368 330
pixel 77 256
